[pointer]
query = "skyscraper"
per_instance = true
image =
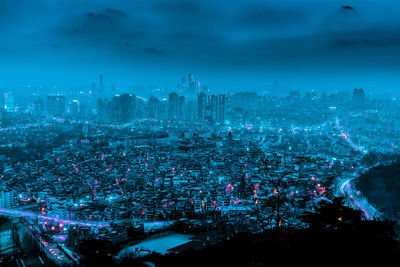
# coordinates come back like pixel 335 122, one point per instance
pixel 173 106
pixel 101 109
pixel 190 111
pixel 213 104
pixel 163 109
pixel 116 109
pixel 7 199
pixel 181 108
pixel 93 90
pixel 38 107
pixel 122 108
pixel 56 105
pixel 191 82
pixel 75 109
pixel 358 96
pixel 101 86
pixel 104 111
pixel 222 108
pixel 9 102
pixel 126 109
pixel 183 84
pixel 108 114
pixel 140 108
pixel 153 107
pixel 201 106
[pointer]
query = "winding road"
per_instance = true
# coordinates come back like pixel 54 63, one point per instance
pixel 348 190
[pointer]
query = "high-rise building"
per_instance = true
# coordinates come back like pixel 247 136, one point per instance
pixel 222 108
pixel 134 104
pixel 108 112
pixel 190 111
pixel 183 84
pixel 153 107
pixel 192 83
pixel 56 105
pixel 201 106
pixel 140 108
pixel 127 106
pixel 245 100
pixel 75 109
pixel 101 110
pixel 181 108
pixel 38 107
pixel 116 109
pixel 358 96
pixel 7 199
pixel 104 110
pixel 122 108
pixel 173 106
pixel 163 109
pixel 208 118
pixel 9 102
pixel 93 89
pixel 101 86
pixel 213 104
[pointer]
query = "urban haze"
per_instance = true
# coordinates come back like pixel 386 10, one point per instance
pixel 199 133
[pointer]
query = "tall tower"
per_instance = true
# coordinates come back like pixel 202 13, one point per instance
pixel 126 108
pixel 101 88
pixel 191 79
pixel 153 108
pixel 56 105
pixel 191 86
pixel 201 105
pixel 172 106
pixel 222 108
pixel 181 107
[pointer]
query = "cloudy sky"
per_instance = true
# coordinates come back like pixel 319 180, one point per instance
pixel 228 45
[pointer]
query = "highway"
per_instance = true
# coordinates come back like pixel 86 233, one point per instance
pixel 51 250
pixel 34 215
pixel 348 190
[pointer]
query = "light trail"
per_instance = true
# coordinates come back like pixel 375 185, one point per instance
pixel 345 187
pixel 17 213
pixel 351 143
pixel 367 213
pixel 363 205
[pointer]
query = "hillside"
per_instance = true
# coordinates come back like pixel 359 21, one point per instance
pixel 381 185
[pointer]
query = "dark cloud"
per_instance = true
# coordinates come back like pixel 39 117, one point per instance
pixel 347 7
pixel 154 51
pixel 203 36
pixel 178 7
pixel 268 16
pixel 106 27
pixel 355 43
pixel 116 12
pixel 192 17
pixel 345 43
pixel 372 37
pixel 107 14
pixel 127 44
pixel 344 18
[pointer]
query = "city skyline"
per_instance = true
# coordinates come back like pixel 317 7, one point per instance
pixel 199 133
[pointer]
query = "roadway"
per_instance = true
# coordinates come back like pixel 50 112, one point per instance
pixel 34 215
pixel 347 189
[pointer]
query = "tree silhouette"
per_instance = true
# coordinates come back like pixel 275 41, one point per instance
pixel 332 215
pixel 336 236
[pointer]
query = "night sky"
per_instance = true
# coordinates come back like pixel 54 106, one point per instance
pixel 228 45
